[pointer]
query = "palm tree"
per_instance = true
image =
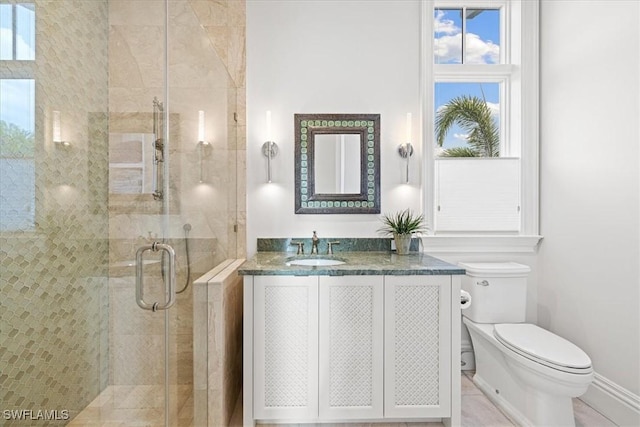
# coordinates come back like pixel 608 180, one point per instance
pixel 473 115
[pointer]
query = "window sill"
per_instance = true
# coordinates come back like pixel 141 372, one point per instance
pixel 481 243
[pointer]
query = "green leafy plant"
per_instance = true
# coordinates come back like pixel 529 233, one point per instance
pixel 15 142
pixel 473 115
pixel 403 222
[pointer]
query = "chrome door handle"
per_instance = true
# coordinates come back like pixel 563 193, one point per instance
pixel 169 281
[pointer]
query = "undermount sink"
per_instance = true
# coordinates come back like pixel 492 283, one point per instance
pixel 319 262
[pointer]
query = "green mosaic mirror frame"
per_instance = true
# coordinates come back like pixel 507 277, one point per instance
pixel 307 127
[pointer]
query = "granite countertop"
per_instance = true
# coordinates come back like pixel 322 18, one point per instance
pixel 356 263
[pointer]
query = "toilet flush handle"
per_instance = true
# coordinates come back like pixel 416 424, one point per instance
pixel 483 283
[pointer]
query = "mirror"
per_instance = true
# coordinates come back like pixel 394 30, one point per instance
pixel 337 163
pixel 339 155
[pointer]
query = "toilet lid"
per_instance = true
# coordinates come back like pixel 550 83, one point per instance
pixel 495 269
pixel 542 346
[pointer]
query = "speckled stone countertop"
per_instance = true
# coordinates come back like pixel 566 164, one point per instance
pixel 355 263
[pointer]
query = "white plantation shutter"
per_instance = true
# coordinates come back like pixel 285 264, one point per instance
pixel 477 194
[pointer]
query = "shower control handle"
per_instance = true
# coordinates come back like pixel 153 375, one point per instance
pixel 169 280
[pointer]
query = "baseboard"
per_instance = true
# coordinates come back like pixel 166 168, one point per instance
pixel 613 401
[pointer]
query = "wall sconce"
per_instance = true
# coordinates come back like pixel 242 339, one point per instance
pixel 269 148
pixel 202 143
pixel 57 131
pixel 406 150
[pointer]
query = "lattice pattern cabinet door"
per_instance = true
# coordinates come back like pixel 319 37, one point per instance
pixel 285 347
pixel 417 353
pixel 351 347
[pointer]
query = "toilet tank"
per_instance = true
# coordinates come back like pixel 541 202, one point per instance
pixel 498 291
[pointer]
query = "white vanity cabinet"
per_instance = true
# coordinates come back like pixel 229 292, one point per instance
pixel 352 347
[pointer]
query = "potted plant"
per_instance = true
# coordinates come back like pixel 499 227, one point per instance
pixel 402 226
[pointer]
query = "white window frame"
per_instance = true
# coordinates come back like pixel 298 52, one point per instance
pixel 519 138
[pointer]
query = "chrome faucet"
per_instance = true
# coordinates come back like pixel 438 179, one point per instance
pixel 330 247
pixel 300 247
pixel 314 244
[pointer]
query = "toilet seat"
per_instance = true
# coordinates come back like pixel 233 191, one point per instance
pixel 544 347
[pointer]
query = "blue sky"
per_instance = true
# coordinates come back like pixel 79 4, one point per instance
pixel 17 102
pixel 482 47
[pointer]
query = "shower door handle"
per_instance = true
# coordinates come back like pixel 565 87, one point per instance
pixel 169 278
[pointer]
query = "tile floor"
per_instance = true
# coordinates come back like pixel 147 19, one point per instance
pixel 137 406
pixel 477 411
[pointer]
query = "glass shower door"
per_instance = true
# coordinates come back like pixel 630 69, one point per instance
pixel 169 89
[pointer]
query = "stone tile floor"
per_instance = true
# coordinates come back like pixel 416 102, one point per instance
pixel 477 411
pixel 135 406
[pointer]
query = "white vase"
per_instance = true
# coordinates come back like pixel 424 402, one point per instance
pixel 403 242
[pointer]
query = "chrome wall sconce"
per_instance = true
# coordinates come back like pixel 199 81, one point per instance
pixel 202 143
pixel 406 150
pixel 57 131
pixel 269 148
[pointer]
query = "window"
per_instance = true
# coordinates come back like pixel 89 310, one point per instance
pixel 17 32
pixel 17 117
pixel 483 174
pixel 467 35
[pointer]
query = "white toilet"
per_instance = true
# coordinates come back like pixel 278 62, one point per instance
pixel 529 372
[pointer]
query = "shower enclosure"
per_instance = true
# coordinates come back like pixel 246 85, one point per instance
pixel 121 124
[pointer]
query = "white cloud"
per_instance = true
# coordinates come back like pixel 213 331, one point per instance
pixel 444 26
pixel 480 51
pixel 461 136
pixel 495 108
pixel 448 44
pixel 448 49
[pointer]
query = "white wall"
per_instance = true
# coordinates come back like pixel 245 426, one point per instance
pixel 315 56
pixel 589 277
